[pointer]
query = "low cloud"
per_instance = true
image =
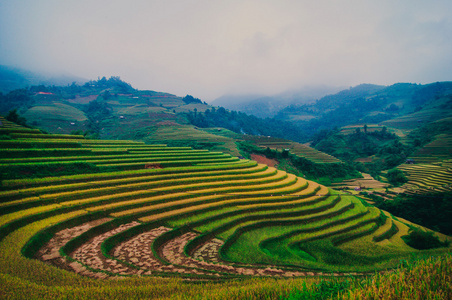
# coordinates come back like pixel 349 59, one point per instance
pixel 210 48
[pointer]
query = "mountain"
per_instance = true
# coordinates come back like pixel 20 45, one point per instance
pixel 367 103
pixel 12 78
pixel 263 106
pixel 96 106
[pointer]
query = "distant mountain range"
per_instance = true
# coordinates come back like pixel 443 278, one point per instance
pixel 264 106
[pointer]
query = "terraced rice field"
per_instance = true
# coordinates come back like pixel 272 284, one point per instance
pixel 366 182
pixel 428 178
pixel 294 148
pixel 350 129
pixel 174 211
pixel 436 151
pixel 184 132
pixel 417 119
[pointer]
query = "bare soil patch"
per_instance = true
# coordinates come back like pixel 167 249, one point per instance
pixel 264 160
pixel 135 256
pixel 364 159
pixel 168 123
pixel 83 100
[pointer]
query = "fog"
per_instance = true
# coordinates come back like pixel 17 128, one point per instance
pixel 210 48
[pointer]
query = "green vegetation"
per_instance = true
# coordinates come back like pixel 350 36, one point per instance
pixel 185 135
pixel 155 215
pixel 242 123
pixel 322 290
pixel 383 147
pixel 219 196
pixel 424 279
pixel 13 116
pixel 322 172
pixel 428 178
pixel 396 177
pixel 401 105
pixel 429 210
pixel 297 149
pixel 421 240
pixel 17 100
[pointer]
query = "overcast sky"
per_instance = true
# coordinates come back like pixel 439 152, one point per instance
pixel 210 48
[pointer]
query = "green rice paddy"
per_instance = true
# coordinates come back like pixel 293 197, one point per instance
pixel 150 213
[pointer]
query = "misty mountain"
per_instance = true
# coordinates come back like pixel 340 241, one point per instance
pixel 12 78
pixel 365 103
pixel 268 106
pixel 56 109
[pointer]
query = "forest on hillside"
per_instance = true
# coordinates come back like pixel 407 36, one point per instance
pixel 246 124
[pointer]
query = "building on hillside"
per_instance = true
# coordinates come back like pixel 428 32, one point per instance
pixel 410 161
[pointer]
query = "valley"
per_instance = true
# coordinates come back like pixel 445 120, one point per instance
pixel 155 189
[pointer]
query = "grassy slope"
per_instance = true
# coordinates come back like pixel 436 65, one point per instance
pixel 25 278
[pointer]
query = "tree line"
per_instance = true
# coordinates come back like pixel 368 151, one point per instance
pixel 245 124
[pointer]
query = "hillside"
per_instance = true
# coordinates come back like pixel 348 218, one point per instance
pixel 402 106
pixel 420 136
pixel 113 109
pixel 148 212
pixel 123 209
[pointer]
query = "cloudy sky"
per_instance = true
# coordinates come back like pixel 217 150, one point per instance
pixel 208 48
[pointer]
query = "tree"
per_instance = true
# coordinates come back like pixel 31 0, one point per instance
pixel 392 108
pixel 365 128
pixel 422 240
pixel 396 177
pixel 106 95
pixel 17 99
pixel 13 116
pixel 190 99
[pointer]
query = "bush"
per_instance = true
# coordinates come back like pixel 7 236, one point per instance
pixel 422 240
pixel 431 210
pixel 13 116
pixel 396 177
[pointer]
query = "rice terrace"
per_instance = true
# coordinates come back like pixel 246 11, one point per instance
pixel 108 191
pixel 178 222
pixel 231 150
